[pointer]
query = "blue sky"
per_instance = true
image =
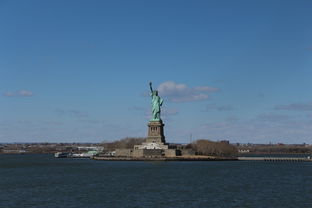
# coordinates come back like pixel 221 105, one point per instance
pixel 78 71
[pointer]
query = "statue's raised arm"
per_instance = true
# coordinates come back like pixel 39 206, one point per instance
pixel 150 84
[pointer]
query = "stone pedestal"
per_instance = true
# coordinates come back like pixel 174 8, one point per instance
pixel 155 137
pixel 155 145
pixel 156 132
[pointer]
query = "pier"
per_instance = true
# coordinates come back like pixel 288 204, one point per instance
pixel 276 159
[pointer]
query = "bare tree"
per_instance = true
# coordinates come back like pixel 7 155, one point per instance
pixel 125 143
pixel 207 147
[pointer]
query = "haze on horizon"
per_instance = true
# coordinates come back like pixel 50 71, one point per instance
pixel 78 71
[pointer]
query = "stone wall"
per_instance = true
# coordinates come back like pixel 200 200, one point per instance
pixel 153 152
pixel 170 153
pixel 137 153
pixel 123 152
pixel 146 153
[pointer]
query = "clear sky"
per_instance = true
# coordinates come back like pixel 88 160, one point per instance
pixel 78 71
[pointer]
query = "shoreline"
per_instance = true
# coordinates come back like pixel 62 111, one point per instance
pixel 178 158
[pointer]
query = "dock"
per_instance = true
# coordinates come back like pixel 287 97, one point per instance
pixel 276 159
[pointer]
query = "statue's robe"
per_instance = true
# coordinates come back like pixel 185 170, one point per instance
pixel 156 103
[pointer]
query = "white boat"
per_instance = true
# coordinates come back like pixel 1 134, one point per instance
pixel 88 154
pixel 62 154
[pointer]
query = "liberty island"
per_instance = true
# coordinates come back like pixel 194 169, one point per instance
pixel 155 146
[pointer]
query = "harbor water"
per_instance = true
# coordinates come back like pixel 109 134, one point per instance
pixel 44 181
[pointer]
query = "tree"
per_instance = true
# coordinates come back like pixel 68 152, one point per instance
pixel 126 143
pixel 207 147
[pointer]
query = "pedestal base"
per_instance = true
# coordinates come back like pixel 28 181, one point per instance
pixel 155 137
pixel 156 132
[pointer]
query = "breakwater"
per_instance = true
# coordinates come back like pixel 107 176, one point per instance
pixel 277 159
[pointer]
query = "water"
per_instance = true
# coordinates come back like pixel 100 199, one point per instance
pixel 43 181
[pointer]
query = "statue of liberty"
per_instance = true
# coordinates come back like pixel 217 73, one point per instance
pixel 156 103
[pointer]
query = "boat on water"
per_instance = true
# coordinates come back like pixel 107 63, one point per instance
pixel 88 154
pixel 62 155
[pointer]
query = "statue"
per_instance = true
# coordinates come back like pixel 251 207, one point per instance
pixel 156 103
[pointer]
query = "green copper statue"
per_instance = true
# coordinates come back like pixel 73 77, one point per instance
pixel 156 103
